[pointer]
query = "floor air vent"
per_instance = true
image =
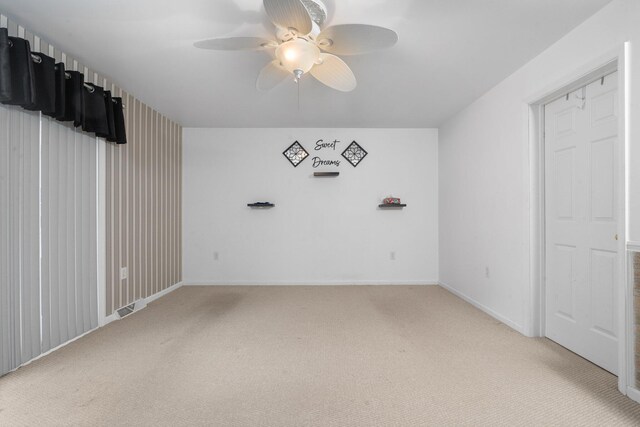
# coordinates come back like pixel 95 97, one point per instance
pixel 131 308
pixel 126 310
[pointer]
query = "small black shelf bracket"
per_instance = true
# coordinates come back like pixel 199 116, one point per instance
pixel 261 205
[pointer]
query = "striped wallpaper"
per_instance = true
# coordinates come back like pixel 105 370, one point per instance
pixel 144 181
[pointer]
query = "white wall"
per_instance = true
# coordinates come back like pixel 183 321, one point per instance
pixel 322 230
pixel 484 170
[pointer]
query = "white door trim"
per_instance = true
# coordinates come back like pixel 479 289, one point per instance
pixel 534 299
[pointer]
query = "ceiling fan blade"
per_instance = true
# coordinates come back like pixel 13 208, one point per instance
pixel 354 39
pixel 289 14
pixel 271 76
pixel 335 73
pixel 236 43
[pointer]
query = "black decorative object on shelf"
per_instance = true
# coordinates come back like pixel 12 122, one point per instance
pixel 295 154
pixel 354 154
pixel 392 205
pixel 326 173
pixel 261 205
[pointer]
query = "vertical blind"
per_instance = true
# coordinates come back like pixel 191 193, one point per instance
pixel 19 240
pixel 68 233
pixel 48 230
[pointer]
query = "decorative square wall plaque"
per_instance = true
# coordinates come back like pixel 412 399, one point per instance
pixel 354 154
pixel 295 154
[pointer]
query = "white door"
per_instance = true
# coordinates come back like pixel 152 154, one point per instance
pixel 581 179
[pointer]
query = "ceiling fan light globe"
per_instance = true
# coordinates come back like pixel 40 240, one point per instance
pixel 298 54
pixel 290 55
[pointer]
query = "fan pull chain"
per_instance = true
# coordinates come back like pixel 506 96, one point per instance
pixel 298 84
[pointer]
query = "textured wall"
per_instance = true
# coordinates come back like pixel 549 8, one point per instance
pixel 143 206
pixel 322 230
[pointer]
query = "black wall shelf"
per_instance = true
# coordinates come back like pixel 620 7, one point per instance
pixel 326 173
pixel 261 205
pixel 392 205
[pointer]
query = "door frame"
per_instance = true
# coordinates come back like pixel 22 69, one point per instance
pixel 614 60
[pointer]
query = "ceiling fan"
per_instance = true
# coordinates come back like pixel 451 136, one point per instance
pixel 302 47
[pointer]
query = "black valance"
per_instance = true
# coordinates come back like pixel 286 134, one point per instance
pixel 5 66
pixel 108 107
pixel 60 93
pixel 118 120
pixel 35 82
pixel 73 86
pixel 94 113
pixel 44 79
pixel 21 73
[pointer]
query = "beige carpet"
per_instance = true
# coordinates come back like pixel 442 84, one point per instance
pixel 321 356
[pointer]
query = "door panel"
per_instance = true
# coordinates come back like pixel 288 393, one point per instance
pixel 564 280
pixel 564 182
pixel 603 158
pixel 603 280
pixel 581 158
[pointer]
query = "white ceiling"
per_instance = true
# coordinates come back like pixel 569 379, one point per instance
pixel 450 52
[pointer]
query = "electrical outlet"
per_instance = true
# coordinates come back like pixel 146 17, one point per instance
pixel 392 255
pixel 486 272
pixel 124 273
pixel 216 256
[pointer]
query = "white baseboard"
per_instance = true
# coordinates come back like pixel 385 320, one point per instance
pixel 163 292
pixel 633 246
pixel 144 302
pixel 633 394
pixel 66 343
pixel 103 322
pixel 325 283
pixel 110 318
pixel 490 312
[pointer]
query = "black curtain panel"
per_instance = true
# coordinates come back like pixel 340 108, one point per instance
pixel 22 82
pixel 118 120
pixel 108 106
pixel 73 87
pixel 60 93
pixel 35 82
pixel 44 76
pixel 94 111
pixel 5 66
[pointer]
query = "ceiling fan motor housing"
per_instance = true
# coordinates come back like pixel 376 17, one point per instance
pixel 317 11
pixel 286 34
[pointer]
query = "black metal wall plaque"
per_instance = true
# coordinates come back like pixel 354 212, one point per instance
pixel 295 154
pixel 354 154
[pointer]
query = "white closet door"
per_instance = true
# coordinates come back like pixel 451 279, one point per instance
pixel 582 256
pixel 19 237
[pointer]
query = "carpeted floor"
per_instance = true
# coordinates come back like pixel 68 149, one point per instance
pixel 321 356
